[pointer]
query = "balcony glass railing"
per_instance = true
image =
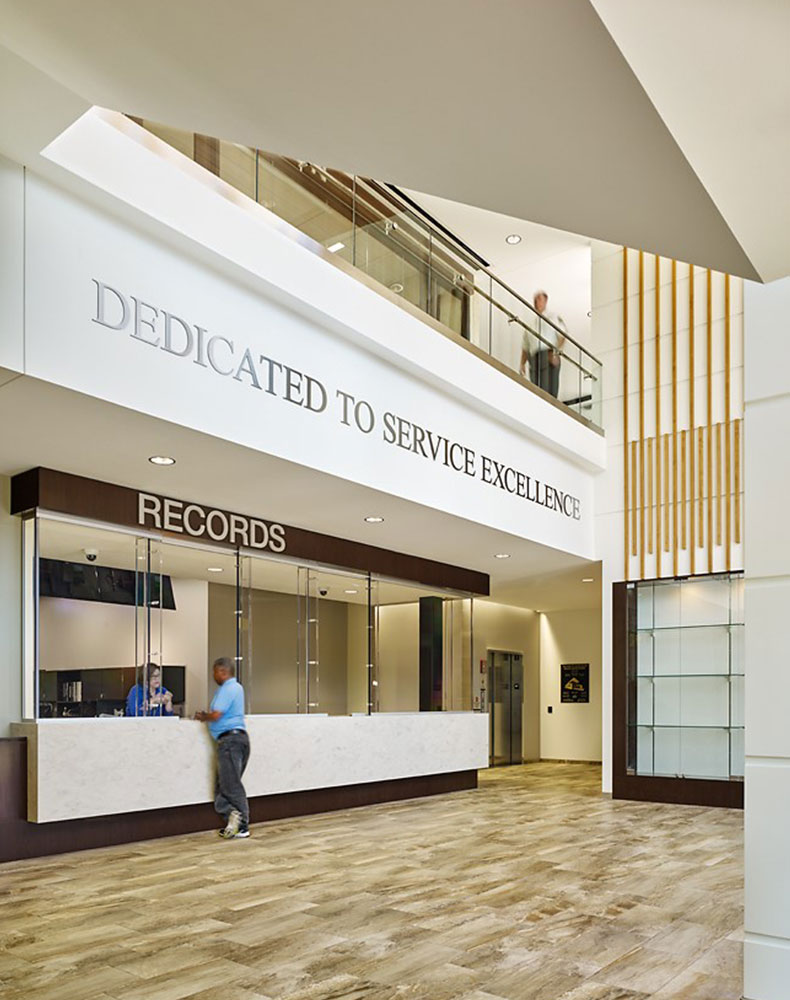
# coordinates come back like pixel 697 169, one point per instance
pixel 374 228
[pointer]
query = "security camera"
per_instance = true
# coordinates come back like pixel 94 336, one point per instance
pixel 91 554
pixel 323 591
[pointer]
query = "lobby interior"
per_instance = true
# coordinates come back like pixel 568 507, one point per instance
pixel 273 384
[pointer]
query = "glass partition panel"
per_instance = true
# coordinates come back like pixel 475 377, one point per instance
pixel 338 674
pixel 270 635
pixel 309 198
pixel 87 654
pixel 395 250
pixel 417 625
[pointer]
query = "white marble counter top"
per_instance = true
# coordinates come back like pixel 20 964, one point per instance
pixel 96 767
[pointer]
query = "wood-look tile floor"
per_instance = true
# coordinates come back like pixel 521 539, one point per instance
pixel 532 887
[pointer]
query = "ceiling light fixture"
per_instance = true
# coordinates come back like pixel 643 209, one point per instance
pixel 214 569
pixel 502 555
pixel 513 240
pixel 335 247
pixel 350 591
pixel 161 460
pixel 374 520
pixel 588 579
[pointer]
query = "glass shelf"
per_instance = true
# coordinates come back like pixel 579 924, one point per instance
pixel 654 677
pixel 680 725
pixel 647 629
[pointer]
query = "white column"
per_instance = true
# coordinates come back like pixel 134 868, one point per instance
pixel 767 535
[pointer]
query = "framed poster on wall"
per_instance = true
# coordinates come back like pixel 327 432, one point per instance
pixel 575 682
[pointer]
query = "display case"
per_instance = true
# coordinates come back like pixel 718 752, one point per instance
pixel 682 682
pixel 686 678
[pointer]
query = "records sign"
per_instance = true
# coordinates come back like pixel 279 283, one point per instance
pixel 575 682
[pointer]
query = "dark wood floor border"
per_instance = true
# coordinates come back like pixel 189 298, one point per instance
pixel 20 839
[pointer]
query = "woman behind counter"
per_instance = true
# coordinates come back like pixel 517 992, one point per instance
pixel 156 701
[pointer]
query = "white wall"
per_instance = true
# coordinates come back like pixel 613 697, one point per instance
pixel 571 731
pixel 80 635
pixel 767 481
pixel 11 264
pixel 10 611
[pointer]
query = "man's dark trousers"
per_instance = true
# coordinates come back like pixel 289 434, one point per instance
pixel 233 752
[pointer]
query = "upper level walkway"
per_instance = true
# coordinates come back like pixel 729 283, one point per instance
pixel 385 239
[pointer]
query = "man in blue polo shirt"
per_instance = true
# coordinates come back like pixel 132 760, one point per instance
pixel 225 719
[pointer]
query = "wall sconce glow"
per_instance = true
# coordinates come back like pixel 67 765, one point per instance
pixel 374 520
pixel 514 239
pixel 214 569
pixel 335 247
pixel 161 460
pixel 502 555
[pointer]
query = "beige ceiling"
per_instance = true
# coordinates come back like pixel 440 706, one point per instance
pixel 671 137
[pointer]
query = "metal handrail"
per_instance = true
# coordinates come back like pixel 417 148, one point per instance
pixel 459 250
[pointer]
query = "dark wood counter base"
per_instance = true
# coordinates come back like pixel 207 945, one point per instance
pixel 20 839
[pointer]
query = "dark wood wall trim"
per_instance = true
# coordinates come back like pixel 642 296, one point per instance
pixel 641 788
pixel 20 839
pixel 64 493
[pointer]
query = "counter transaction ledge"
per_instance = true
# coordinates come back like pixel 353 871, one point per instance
pixel 76 783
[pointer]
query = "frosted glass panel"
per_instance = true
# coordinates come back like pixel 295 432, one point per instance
pixel 667 605
pixel 666 651
pixel 737 700
pixel 737 651
pixel 705 701
pixel 644 751
pixel 705 650
pixel 644 653
pixel 644 607
pixel 736 753
pixel 692 753
pixel 666 699
pixel 666 752
pixel 704 753
pixel 705 602
pixel 644 702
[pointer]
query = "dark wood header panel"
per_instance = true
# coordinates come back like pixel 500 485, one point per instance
pixel 64 493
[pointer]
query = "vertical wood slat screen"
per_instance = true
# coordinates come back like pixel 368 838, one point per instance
pixel 682 484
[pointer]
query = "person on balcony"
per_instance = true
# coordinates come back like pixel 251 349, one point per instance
pixel 545 357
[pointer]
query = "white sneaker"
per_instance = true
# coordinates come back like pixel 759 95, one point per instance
pixel 232 827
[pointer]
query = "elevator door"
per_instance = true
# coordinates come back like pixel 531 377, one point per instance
pixel 506 676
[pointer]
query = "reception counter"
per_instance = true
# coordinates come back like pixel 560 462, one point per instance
pixel 83 768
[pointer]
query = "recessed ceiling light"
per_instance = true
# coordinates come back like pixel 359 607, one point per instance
pixel 350 591
pixel 214 569
pixel 502 555
pixel 513 239
pixel 335 247
pixel 588 579
pixel 374 520
pixel 161 460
